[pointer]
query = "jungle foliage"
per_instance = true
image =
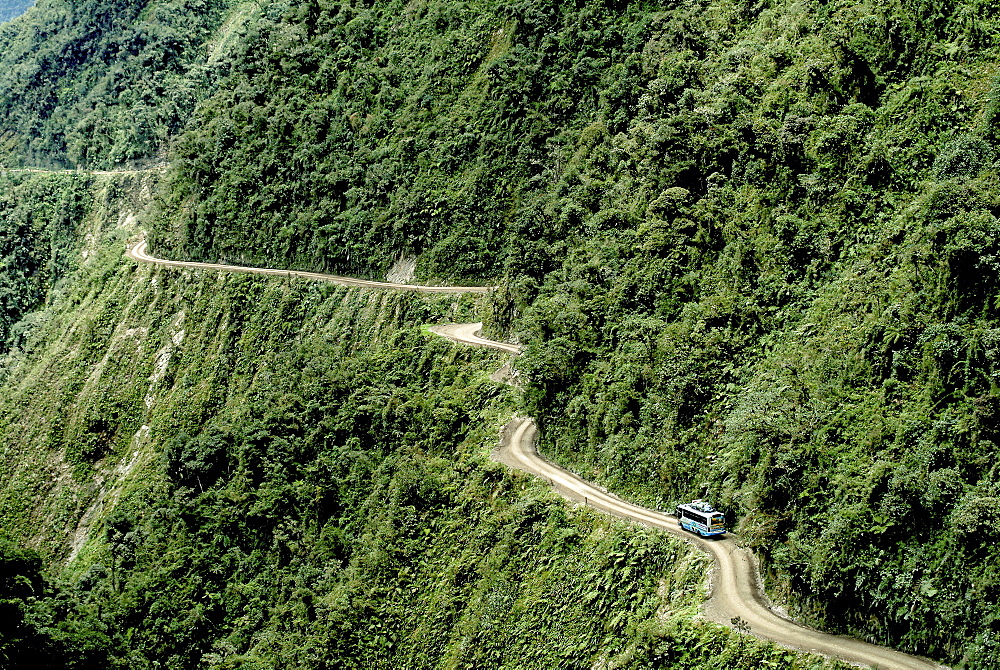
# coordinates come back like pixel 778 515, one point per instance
pixel 248 472
pixel 94 83
pixel 40 626
pixel 751 249
pixel 38 225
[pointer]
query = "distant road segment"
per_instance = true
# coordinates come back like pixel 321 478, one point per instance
pixel 140 253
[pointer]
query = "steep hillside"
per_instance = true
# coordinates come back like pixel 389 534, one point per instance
pixel 38 220
pixel 256 472
pixel 750 248
pixel 103 84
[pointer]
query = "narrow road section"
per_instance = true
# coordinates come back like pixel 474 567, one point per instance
pixel 139 253
pixel 155 168
pixel 736 588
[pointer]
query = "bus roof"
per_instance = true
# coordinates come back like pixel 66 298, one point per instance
pixel 701 506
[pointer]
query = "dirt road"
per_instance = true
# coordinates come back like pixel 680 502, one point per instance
pixel 139 253
pixel 735 581
pixel 154 168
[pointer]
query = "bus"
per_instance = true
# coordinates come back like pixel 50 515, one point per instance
pixel 699 517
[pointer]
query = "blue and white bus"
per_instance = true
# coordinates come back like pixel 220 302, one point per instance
pixel 700 517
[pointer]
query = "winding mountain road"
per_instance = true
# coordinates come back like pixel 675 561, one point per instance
pixel 735 585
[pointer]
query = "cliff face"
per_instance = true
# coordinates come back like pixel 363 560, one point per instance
pixel 750 249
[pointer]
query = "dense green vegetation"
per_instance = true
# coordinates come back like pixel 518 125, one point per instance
pixel 38 219
pixel 751 249
pixel 245 473
pixel 804 331
pixel 103 84
pixel 43 627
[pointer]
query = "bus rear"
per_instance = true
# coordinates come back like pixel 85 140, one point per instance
pixel 700 517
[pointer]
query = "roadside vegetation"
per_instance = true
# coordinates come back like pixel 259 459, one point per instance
pixel 751 249
pixel 250 472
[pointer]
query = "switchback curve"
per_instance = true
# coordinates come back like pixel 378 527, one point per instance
pixel 735 585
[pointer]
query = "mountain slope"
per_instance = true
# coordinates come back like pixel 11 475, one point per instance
pixel 104 84
pixel 750 255
pixel 749 248
pixel 260 472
